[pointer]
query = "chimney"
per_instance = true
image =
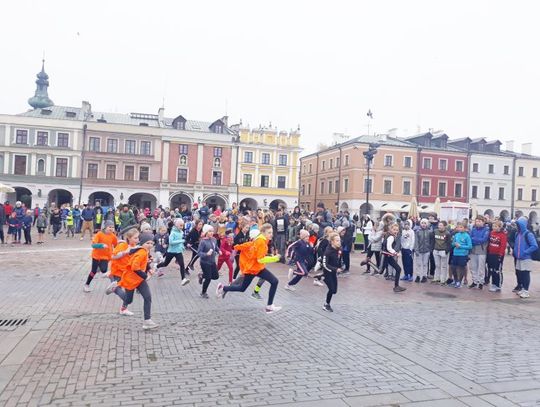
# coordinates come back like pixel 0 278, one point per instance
pixel 161 114
pixel 510 145
pixel 86 110
pixel 526 148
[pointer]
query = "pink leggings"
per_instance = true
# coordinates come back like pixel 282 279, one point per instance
pixel 228 262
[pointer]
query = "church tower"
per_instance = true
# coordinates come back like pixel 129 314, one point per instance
pixel 41 98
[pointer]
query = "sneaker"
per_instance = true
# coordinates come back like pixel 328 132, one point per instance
pixel 399 289
pixel 188 271
pixel 516 289
pixel 110 289
pixel 184 282
pixel 87 288
pixel 449 281
pixel 524 294
pixel 480 286
pixel 327 308
pixel 256 296
pixel 473 285
pixel 417 279
pixel 494 288
pixel 318 283
pixel 290 274
pixel 435 281
pixel 219 290
pixel 388 278
pixel 149 324
pixel 457 285
pixel 424 280
pixel 289 288
pixel 518 293
pixel 126 312
pixel 452 284
pixel 404 278
pixel 270 309
pixel 200 276
pixel 204 295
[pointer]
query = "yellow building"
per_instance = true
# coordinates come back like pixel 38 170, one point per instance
pixel 268 167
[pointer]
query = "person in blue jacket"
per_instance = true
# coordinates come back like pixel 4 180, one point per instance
pixel 462 244
pixel 480 241
pixel 302 253
pixel 525 245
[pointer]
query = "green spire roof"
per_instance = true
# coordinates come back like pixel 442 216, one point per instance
pixel 41 98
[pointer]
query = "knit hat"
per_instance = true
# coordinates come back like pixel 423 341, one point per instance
pixel 145 237
pixel 207 228
pixel 109 223
pixel 340 229
pixel 253 233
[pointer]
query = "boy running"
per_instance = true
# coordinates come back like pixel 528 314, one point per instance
pixel 102 245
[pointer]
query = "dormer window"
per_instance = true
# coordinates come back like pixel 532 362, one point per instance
pixel 46 112
pixel 180 125
pixel 71 114
pixel 218 128
pixel 143 124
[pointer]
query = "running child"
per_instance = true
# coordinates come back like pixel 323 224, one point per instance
pixel 103 244
pixel 207 252
pixel 226 253
pixel 390 255
pixel 161 242
pixel 331 264
pixel 496 250
pixel 302 252
pixel 175 249
pixel 192 243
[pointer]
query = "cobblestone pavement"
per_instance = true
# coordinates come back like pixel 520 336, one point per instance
pixel 429 346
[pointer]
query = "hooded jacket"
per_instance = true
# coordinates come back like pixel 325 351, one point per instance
pixel 497 243
pixel 525 243
pixel 176 241
pixel 424 241
pixel 480 239
pixel 465 244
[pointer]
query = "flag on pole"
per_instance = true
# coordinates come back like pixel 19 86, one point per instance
pixel 369 114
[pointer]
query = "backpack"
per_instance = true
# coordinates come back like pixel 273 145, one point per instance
pixel 535 256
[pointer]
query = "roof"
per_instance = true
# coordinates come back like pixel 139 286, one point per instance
pixel 133 119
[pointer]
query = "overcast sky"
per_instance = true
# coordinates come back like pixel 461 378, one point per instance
pixel 470 68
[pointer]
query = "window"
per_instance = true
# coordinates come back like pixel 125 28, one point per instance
pixel 218 128
pixel 110 172
pixel 330 187
pixel 331 163
pixel 281 182
pixel 443 165
pixel 310 168
pixel 346 160
pixel 520 172
pixel 146 147
pixel 181 175
pixel 506 170
pixel 42 138
pixel 265 182
pixel 217 162
pixel 309 189
pixel 520 194
pixel 407 162
pixel 183 149
pixel 501 193
pixel 324 165
pixel 183 160
pixel 426 164
pixel 322 187
pixel 265 158
pixel 458 190
pixel 21 137
pixel 475 167
pixel 336 186
pixel 303 190
pixel 62 140
pixel 61 167
pixel 129 173
pixel 533 195
pixel 346 185
pixel 387 186
pixel 144 173
pixel 491 169
pixel 487 193
pixel 535 172
pixel 248 179
pixel 218 152
pixel 442 189
pixel 388 160
pixel 41 165
pixel 92 170
pixel 283 160
pixel 93 144
pixel 338 162
pixel 406 187
pixel 248 156
pixel 304 169
pixel 112 145
pixel 426 188
pixel 20 165
pixel 459 166
pixel 131 147
pixel 474 192
pixel 368 185
pixel 180 125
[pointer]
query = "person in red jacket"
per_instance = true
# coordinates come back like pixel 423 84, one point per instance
pixel 495 255
pixel 226 253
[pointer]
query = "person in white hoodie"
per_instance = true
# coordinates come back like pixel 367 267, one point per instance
pixel 407 247
pixel 375 246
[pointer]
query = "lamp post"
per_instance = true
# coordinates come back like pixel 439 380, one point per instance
pixel 369 154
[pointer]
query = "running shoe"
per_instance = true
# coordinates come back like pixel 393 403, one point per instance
pixel 524 294
pixel 399 289
pixel 473 285
pixel 327 308
pixel 184 282
pixel 87 288
pixel 126 312
pixel 318 283
pixel 219 290
pixel 110 289
pixel 289 288
pixel 270 309
pixel 149 324
pixel 256 296
pixel 494 288
pixel 424 280
pixel 204 295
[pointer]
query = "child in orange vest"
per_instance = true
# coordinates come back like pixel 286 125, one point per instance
pixel 103 244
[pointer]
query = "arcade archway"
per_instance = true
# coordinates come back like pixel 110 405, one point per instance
pixel 60 197
pixel 180 198
pixel 101 197
pixel 143 200
pixel 213 201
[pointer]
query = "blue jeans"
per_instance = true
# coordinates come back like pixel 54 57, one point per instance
pixel 407 259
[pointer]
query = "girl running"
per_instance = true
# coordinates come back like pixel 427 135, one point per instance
pixel 226 253
pixel 241 237
pixel 192 242
pixel 207 252
pixel 391 254
pixel 331 264
pixel 102 247
pixel 302 252
pixel 175 248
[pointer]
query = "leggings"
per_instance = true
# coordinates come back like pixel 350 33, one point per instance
pixel 301 267
pixel 194 257
pixel 331 282
pixel 228 262
pixel 55 230
pixel 366 242
pixel 370 254
pixel 179 258
pixel 97 264
pixel 346 256
pixel 237 266
pixel 144 290
pixel 248 278
pixel 391 261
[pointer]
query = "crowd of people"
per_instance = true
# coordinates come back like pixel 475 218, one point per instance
pixel 130 245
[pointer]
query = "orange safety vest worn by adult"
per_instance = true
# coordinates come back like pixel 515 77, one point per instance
pixel 118 266
pixel 108 239
pixel 138 262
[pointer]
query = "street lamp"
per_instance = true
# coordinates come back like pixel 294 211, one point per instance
pixel 369 154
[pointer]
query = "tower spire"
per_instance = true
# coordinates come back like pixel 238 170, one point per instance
pixel 41 97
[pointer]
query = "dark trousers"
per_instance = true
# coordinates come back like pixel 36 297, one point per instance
pixel 366 242
pixel 391 261
pixel 280 244
pixel 237 266
pixel 495 269
pixel 2 237
pixel 346 257
pixel 370 254
pixel 27 236
pixel 194 257
pixel 144 290
pixel 301 267
pixel 407 259
pixel 179 258
pixel 431 264
pixel 100 265
pixel 55 229
pixel 330 280
pixel 248 278
pixel 524 279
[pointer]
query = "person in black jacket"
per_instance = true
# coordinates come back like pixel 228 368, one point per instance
pixel 331 266
pixel 192 242
pixel 241 237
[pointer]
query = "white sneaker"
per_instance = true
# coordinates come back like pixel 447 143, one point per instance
pixel 290 275
pixel 524 294
pixel 149 324
pixel 519 293
pixel 87 288
pixel 110 289
pixel 126 312
pixel 318 283
pixel 494 288
pixel 184 282
pixel 290 288
pixel 219 290
pixel 270 309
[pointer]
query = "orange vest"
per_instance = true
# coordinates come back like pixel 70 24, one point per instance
pixel 120 265
pixel 251 253
pixel 138 261
pixel 108 239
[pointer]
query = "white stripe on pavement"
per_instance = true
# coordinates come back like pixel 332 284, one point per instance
pixel 15 251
